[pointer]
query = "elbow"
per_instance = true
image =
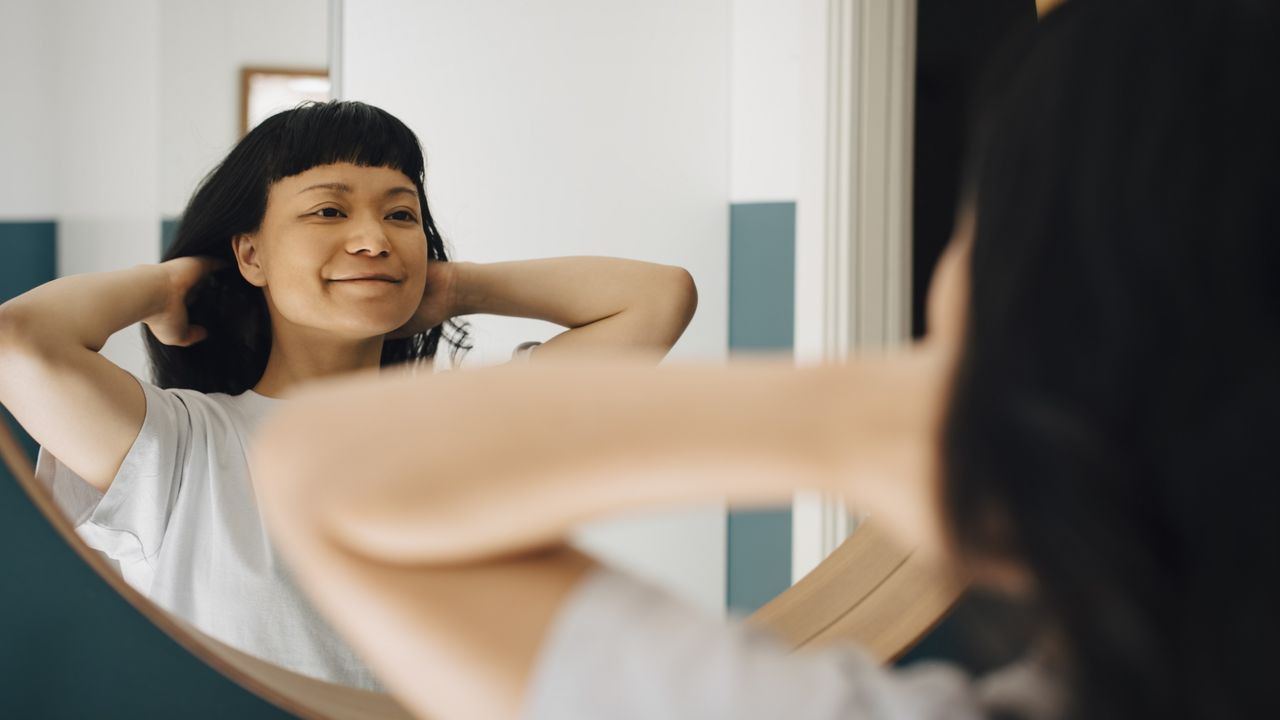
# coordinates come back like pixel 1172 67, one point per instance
pixel 11 325
pixel 684 294
pixel 16 328
pixel 284 462
pixel 303 462
pixel 679 302
pixel 302 474
pixel 7 330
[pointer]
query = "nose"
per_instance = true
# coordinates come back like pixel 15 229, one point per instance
pixel 368 238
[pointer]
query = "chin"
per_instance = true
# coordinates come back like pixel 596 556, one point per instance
pixel 366 328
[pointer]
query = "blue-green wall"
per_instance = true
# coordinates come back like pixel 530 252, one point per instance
pixel 762 260
pixel 28 256
pixel 168 231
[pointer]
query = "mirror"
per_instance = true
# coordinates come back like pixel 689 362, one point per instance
pixel 555 129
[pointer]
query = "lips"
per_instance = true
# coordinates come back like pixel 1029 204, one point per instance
pixel 367 276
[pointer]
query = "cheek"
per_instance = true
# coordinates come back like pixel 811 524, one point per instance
pixel 292 271
pixel 415 260
pixel 414 252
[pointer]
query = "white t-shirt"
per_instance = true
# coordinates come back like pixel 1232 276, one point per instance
pixel 182 521
pixel 621 649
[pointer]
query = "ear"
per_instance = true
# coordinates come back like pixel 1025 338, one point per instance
pixel 244 247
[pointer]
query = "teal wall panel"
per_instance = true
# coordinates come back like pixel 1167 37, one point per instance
pixel 28 256
pixel 759 562
pixel 762 262
pixel 168 231
pixel 762 251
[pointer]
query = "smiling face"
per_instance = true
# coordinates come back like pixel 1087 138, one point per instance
pixel 341 249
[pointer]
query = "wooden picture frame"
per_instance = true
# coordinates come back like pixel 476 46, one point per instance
pixel 267 90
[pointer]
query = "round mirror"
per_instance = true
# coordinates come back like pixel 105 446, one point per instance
pixel 727 148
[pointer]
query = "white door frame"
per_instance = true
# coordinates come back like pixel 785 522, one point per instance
pixel 853 221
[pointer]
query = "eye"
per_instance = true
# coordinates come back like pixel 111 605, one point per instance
pixel 329 212
pixel 403 216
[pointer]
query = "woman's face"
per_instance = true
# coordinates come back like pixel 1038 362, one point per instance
pixel 341 249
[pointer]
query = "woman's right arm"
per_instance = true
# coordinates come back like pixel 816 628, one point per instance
pixel 80 406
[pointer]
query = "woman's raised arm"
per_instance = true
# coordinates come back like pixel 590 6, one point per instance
pixel 75 402
pixel 610 305
pixel 468 465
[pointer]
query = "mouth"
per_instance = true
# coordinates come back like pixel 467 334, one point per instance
pixel 371 278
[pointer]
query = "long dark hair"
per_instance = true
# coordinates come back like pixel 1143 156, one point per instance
pixel 1114 419
pixel 232 200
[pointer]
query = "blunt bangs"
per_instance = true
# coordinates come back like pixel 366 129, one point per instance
pixel 324 133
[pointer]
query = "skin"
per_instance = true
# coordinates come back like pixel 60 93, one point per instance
pixel 413 561
pixel 1044 6
pixel 327 223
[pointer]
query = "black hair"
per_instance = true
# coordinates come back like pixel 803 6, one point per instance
pixel 1116 404
pixel 232 200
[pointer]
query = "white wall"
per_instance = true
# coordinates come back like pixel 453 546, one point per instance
pixel 778 130
pixel 572 127
pixel 811 161
pixel 91 162
pixel 203 46
pixel 26 135
pixel 107 121
pixel 113 111
pixel 764 121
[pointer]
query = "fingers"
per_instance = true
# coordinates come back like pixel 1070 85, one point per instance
pixel 195 333
pixel 218 264
pixel 185 337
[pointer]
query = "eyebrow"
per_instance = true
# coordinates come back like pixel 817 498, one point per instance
pixel 345 188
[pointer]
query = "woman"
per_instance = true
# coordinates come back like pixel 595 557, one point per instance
pixel 309 252
pixel 1088 427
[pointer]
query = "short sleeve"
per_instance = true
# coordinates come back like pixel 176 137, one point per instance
pixel 622 649
pixel 128 522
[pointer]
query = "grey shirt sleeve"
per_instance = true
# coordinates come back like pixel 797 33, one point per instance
pixel 623 649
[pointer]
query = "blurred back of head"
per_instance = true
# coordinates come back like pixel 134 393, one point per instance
pixel 1115 408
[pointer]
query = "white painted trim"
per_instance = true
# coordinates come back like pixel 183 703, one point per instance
pixel 866 213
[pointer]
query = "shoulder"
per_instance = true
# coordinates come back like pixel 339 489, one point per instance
pixel 676 662
pixel 176 409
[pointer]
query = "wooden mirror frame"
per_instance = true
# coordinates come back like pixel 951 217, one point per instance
pixel 869 591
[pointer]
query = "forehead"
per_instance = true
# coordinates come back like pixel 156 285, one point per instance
pixel 355 179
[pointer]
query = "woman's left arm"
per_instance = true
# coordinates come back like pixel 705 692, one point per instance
pixel 609 304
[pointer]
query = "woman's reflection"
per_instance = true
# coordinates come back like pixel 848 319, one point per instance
pixel 309 252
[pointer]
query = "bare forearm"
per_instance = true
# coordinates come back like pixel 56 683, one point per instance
pixel 608 303
pixel 84 310
pixel 482 463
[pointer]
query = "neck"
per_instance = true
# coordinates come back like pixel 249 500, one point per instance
pixel 300 355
